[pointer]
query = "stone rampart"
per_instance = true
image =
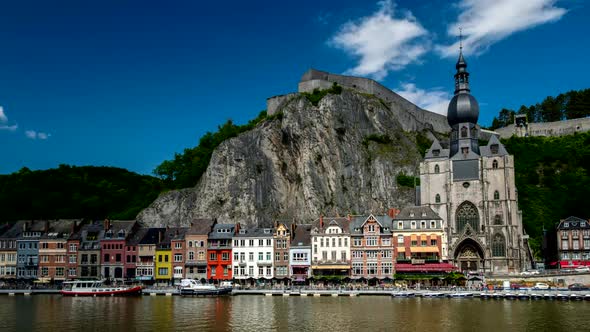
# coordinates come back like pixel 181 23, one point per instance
pixel 409 115
pixel 557 128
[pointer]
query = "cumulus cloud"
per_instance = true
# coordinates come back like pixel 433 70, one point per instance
pixel 435 100
pixel 4 120
pixel 382 42
pixel 3 117
pixel 32 134
pixel 485 22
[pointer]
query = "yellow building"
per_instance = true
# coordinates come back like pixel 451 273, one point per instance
pixel 163 260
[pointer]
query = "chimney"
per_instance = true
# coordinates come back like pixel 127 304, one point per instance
pixel 321 221
pixel 46 227
pixel 107 224
pixel 25 226
pixel 393 212
pixel 237 228
pixel 276 224
pixel 159 236
pixel 293 228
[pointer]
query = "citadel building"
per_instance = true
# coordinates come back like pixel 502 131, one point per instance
pixel 472 189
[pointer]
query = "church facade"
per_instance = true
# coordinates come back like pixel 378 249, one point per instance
pixel 472 188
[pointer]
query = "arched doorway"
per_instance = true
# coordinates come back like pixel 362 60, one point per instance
pixel 469 256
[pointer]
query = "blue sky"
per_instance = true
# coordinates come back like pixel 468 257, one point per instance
pixel 129 83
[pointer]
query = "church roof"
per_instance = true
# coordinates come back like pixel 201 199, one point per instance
pixel 443 153
pixel 486 151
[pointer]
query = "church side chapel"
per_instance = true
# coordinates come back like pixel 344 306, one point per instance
pixel 472 188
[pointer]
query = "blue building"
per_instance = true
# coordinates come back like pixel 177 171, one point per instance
pixel 28 249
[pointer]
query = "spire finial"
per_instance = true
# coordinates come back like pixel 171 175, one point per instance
pixel 460 39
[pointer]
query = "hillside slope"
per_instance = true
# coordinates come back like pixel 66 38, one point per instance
pixel 341 156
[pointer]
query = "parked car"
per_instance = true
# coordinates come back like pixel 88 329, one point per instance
pixel 541 285
pixel 582 269
pixel 578 287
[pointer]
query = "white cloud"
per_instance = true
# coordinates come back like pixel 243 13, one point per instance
pixel 37 135
pixel 435 100
pixel 9 128
pixel 485 22
pixel 3 117
pixel 382 42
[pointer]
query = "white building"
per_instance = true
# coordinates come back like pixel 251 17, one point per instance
pixel 472 189
pixel 331 247
pixel 300 254
pixel 253 252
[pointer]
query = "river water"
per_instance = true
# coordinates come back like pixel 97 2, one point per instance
pixel 261 313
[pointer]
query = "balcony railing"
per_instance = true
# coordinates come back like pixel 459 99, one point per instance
pixel 219 246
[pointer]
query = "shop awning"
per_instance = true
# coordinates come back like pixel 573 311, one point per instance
pixel 424 249
pixel 434 267
pixel 331 267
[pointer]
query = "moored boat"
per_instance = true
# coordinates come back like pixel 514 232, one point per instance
pixel 97 288
pixel 194 287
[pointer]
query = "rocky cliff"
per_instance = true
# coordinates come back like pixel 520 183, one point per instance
pixel 341 156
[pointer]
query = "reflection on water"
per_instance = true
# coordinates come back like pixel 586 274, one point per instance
pixel 260 313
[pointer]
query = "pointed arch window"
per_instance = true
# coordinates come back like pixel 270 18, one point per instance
pixel 495 164
pixel 467 215
pixel 499 246
pixel 497 219
pixel 437 198
pixel 436 169
pixel 496 195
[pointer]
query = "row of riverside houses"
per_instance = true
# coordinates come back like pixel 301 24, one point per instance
pixel 407 241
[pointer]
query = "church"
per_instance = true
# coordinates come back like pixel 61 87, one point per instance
pixel 472 189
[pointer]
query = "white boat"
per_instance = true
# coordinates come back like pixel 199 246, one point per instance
pixel 195 287
pixel 97 288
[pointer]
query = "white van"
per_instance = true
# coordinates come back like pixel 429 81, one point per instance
pixel 226 284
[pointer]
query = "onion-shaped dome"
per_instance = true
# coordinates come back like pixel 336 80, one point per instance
pixel 462 108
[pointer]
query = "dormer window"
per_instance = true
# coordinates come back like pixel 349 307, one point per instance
pixel 436 153
pixel 242 231
pixel 121 233
pixel 494 148
pixel 566 224
pixel 423 214
pixel 423 224
pixel 266 231
pixel 411 214
pixel 413 225
pixel 463 132
pixel 400 225
pixel 465 150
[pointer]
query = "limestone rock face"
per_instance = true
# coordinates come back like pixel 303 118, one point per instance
pixel 307 160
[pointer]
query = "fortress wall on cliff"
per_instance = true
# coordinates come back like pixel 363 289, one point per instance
pixel 411 117
pixel 557 128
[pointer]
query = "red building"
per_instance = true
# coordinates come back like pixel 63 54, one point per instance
pixel 219 252
pixel 53 258
pixel 112 248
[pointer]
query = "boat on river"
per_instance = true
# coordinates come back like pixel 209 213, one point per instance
pixel 196 288
pixel 97 288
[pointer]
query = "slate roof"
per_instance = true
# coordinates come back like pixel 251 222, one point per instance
pixel 120 225
pixel 573 223
pixel 357 222
pixel 444 153
pixel 342 222
pixel 486 151
pixel 137 236
pixel 151 236
pixel 255 232
pixel 201 227
pixel 14 231
pixel 217 235
pixel 60 229
pixel 302 236
pixel 417 210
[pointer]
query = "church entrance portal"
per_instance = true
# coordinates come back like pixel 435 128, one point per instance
pixel 469 256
